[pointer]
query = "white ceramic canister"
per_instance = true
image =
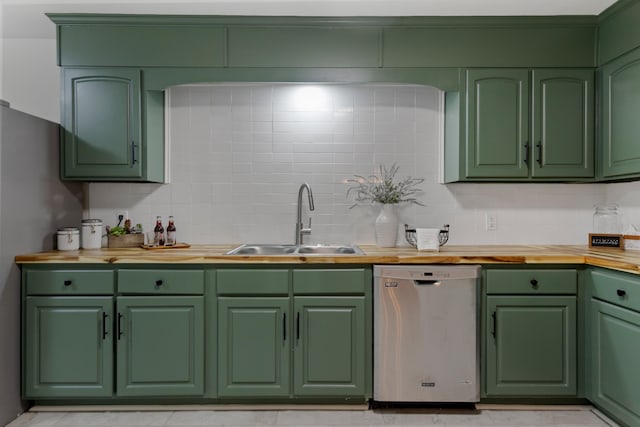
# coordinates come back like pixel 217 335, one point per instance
pixel 68 239
pixel 91 233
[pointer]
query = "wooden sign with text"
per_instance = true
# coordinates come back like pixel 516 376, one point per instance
pixel 615 241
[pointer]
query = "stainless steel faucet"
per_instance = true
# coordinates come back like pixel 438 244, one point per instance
pixel 300 230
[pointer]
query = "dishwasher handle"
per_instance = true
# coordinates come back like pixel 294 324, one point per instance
pixel 420 282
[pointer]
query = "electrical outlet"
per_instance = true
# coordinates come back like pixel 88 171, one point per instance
pixel 491 222
pixel 125 215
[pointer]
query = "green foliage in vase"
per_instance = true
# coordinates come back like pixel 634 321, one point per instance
pixel 384 189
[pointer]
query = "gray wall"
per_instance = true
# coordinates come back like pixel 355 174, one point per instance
pixel 33 204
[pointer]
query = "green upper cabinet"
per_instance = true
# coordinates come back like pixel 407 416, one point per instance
pixel 562 124
pixel 521 125
pixel 116 131
pixel 497 128
pixel 620 95
pixel 101 121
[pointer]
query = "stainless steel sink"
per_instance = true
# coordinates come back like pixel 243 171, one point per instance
pixel 261 249
pixel 273 249
pixel 329 250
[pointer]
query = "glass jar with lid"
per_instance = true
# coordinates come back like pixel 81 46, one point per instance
pixel 606 219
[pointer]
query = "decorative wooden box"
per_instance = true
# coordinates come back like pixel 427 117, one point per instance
pixel 126 241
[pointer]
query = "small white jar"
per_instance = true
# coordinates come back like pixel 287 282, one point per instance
pixel 68 239
pixel 91 233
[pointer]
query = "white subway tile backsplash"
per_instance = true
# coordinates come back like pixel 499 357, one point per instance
pixel 239 153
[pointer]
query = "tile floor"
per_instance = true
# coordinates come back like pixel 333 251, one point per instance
pixel 313 418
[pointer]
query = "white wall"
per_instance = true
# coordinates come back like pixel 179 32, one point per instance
pixel 34 203
pixel 240 152
pixel 1 50
pixel 30 81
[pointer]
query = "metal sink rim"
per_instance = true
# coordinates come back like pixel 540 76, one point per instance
pixel 262 249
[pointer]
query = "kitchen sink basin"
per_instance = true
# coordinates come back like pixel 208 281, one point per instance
pixel 263 250
pixel 271 249
pixel 329 250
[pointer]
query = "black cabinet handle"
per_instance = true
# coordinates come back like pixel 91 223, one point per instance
pixel 105 316
pixel 120 333
pixel 539 155
pixel 621 292
pixel 159 282
pixel 68 282
pixel 133 154
pixel 493 329
pixel 284 326
pixel 534 283
pixel 526 152
pixel 298 326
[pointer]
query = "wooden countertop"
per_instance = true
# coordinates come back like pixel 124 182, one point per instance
pixel 477 254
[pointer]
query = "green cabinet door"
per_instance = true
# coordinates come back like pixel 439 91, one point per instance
pixel 562 124
pixel 101 124
pixel 615 349
pixel 620 95
pixel 253 346
pixel 497 128
pixel 68 347
pixel 329 346
pixel 160 346
pixel 531 346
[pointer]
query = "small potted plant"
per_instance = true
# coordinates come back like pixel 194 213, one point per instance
pixel 125 236
pixel 385 190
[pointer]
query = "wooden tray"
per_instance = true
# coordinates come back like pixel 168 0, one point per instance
pixel 176 246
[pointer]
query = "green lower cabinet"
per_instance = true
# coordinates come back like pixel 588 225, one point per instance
pixel 531 346
pixel 68 347
pixel 615 349
pixel 329 346
pixel 160 346
pixel 253 346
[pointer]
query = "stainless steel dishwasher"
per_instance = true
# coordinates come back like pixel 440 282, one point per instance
pixel 426 333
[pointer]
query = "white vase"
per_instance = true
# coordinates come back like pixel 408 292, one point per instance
pixel 387 226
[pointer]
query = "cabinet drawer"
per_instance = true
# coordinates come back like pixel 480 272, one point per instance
pixel 618 288
pixel 176 282
pixel 254 282
pixel 334 282
pixel 532 281
pixel 69 282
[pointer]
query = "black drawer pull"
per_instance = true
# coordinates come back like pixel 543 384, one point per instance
pixel 159 282
pixel 67 282
pixel 534 283
pixel 105 316
pixel 284 326
pixel 120 333
pixel 621 292
pixel 495 324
